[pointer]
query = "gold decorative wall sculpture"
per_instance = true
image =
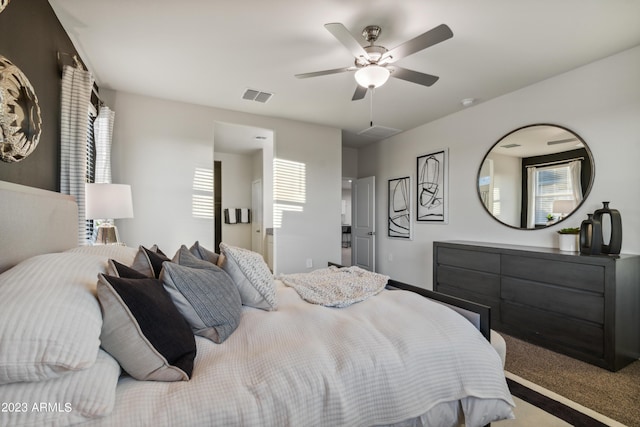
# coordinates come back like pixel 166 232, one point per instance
pixel 20 121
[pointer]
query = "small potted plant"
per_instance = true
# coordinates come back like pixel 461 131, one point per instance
pixel 568 239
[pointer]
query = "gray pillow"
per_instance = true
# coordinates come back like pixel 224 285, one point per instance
pixel 204 294
pixel 203 253
pixel 117 269
pixel 186 258
pixel 149 261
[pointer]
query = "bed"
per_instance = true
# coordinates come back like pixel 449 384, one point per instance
pixel 394 358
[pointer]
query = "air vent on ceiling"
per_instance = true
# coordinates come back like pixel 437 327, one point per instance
pixel 256 95
pixel 561 141
pixel 510 145
pixel 379 132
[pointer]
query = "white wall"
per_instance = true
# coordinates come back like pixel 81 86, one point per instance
pixel 349 162
pixel 509 190
pixel 157 144
pixel 600 102
pixel 237 174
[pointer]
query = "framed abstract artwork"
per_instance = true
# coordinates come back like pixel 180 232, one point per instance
pixel 399 208
pixel 432 187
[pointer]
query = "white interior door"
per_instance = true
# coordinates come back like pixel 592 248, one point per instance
pixel 256 217
pixel 363 228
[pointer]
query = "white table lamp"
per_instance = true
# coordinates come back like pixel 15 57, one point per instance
pixel 107 202
pixel 563 207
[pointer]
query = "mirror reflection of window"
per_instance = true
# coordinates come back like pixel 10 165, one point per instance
pixel 553 183
pixel 533 169
pixel 485 183
pixel 496 202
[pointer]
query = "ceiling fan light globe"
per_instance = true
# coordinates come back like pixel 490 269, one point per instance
pixel 372 76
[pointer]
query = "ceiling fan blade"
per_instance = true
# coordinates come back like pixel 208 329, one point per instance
pixel 359 93
pixel 343 35
pixel 414 76
pixel 434 36
pixel 325 72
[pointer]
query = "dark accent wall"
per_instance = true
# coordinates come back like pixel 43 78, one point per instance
pixel 30 37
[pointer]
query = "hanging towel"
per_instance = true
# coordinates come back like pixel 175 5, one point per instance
pixel 245 215
pixel 230 216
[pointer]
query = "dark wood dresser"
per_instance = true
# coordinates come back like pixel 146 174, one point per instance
pixel 585 306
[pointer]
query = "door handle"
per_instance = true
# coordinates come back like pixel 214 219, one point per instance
pixel 371 233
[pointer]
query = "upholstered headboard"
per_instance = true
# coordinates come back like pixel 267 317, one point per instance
pixel 34 221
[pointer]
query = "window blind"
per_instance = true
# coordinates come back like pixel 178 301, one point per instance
pixel 552 183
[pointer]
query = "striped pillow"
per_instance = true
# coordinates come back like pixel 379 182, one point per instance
pixel 50 319
pixel 70 399
pixel 204 294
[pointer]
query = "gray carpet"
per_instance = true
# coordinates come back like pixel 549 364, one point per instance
pixel 614 394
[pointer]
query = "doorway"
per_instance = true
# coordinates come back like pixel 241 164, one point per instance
pixel 246 157
pixel 217 204
pixel 346 219
pixel 364 223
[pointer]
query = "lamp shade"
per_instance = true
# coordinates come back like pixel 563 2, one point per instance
pixel 563 206
pixel 108 201
pixel 372 76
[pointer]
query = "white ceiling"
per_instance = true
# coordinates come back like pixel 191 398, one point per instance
pixel 209 52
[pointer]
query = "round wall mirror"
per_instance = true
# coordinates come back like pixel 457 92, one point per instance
pixel 535 176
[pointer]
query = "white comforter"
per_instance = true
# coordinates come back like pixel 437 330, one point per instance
pixel 392 357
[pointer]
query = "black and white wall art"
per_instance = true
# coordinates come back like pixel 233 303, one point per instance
pixel 399 208
pixel 432 187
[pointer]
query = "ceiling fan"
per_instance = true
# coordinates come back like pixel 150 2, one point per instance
pixel 373 63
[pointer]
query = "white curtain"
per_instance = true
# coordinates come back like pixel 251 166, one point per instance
pixel 573 184
pixel 531 197
pixel 575 170
pixel 103 132
pixel 75 100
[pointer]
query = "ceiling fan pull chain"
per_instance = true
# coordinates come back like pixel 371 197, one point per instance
pixel 372 88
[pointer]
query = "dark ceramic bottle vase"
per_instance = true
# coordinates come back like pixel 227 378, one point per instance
pixel 614 243
pixel 590 236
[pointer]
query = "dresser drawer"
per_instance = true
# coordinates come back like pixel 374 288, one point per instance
pixel 473 281
pixel 558 331
pixel 570 302
pixel 568 274
pixel 473 260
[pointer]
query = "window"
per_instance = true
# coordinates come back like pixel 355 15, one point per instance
pixel 554 182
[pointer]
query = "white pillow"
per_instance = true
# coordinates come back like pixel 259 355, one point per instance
pixel 72 398
pixel 252 276
pixel 50 319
